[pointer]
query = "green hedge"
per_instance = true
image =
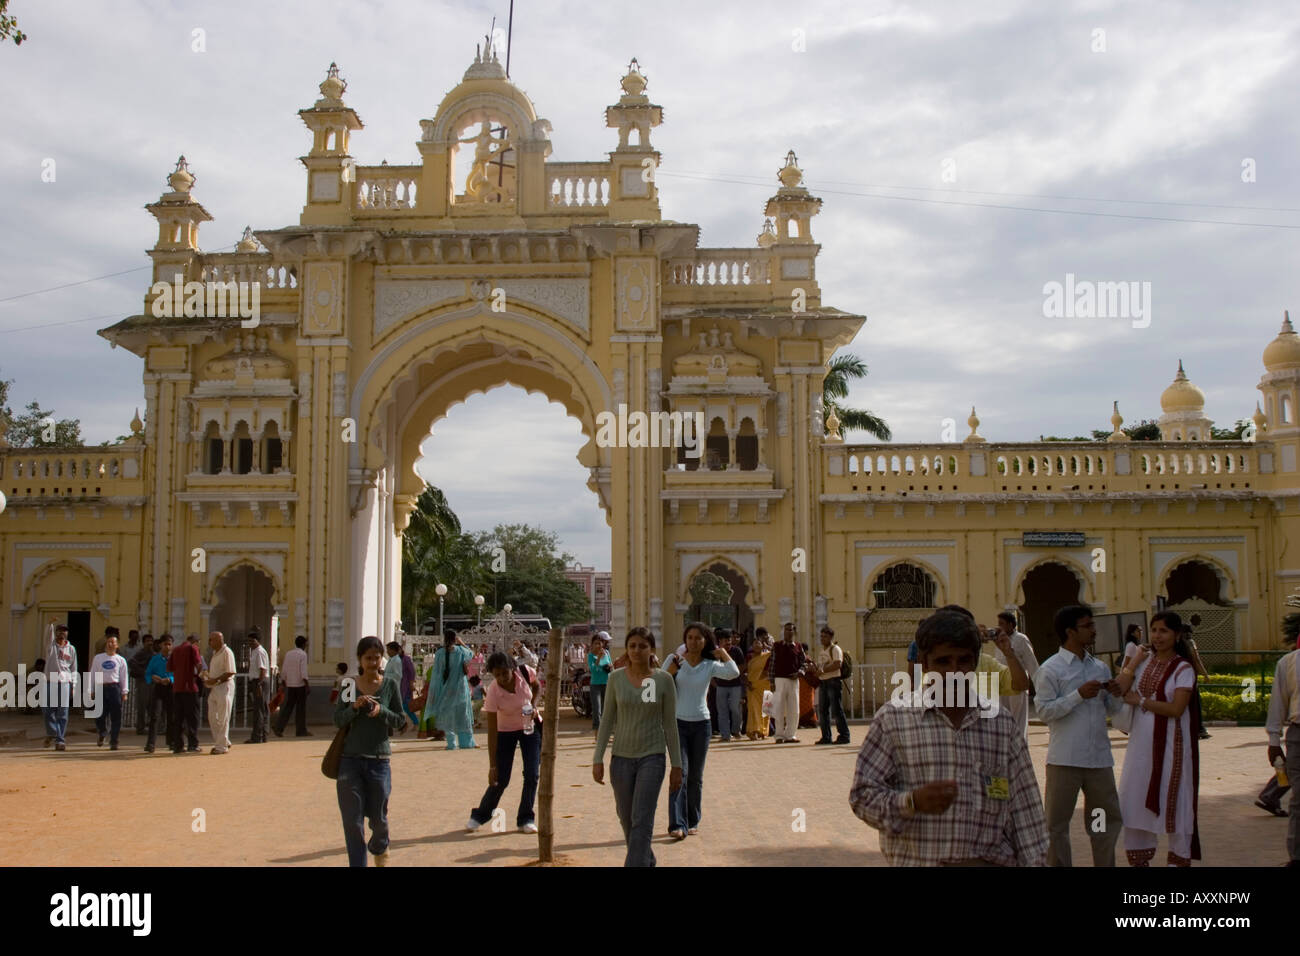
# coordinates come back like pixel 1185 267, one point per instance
pixel 1239 680
pixel 1231 707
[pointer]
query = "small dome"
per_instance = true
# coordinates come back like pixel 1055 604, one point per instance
pixel 1182 395
pixel 1283 351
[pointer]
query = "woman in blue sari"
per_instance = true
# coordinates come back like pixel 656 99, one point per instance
pixel 449 704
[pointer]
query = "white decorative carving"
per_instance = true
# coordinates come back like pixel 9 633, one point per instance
pixel 620 388
pixel 177 622
pixel 655 377
pixel 396 298
pixel 782 414
pixel 568 299
pixel 334 622
pixel 656 615
pixel 340 393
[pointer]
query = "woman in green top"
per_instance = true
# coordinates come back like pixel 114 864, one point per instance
pixel 369 707
pixel 641 713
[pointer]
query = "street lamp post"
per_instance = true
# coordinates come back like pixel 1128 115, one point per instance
pixel 441 591
pixel 478 608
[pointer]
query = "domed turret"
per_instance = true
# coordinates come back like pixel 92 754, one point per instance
pixel 1283 351
pixel 1184 411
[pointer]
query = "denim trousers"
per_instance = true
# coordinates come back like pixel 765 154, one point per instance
pixel 363 787
pixel 636 782
pixel 597 703
pixel 729 716
pixel 109 721
pixel 56 723
pixel 530 747
pixel 830 704
pixel 684 805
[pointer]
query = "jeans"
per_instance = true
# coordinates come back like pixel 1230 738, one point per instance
pixel 684 805
pixel 828 703
pixel 295 701
pixel 160 703
pixel 636 782
pixel 729 716
pixel 109 721
pixel 258 707
pixel 530 746
pixel 363 787
pixel 597 704
pixel 185 719
pixel 56 716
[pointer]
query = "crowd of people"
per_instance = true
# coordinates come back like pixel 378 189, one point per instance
pixel 944 780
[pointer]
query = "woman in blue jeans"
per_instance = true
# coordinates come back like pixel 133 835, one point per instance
pixel 510 705
pixel 640 711
pixel 694 672
pixel 369 709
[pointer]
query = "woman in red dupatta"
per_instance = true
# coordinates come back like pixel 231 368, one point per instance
pixel 1161 780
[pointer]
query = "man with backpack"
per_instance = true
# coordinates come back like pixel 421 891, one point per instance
pixel 834 669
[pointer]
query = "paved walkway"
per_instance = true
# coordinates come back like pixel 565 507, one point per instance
pixel 269 804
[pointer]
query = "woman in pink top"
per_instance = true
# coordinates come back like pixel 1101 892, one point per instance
pixel 510 706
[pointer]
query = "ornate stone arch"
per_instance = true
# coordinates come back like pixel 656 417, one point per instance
pixel 1087 588
pixel 684 596
pixel 45 570
pixel 1227 580
pixel 940 583
pixel 277 586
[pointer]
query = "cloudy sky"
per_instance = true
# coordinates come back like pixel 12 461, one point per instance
pixel 968 154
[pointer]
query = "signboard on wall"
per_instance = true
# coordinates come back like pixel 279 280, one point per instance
pixel 1052 539
pixel 1111 629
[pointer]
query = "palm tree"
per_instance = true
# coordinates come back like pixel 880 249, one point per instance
pixel 835 387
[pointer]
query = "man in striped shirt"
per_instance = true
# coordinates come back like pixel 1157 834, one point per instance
pixel 949 782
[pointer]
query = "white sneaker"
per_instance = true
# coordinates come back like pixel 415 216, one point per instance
pixel 472 825
pixel 528 828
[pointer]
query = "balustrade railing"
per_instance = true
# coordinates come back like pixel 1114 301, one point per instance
pixel 1047 466
pixel 578 186
pixel 247 267
pixel 386 188
pixel 722 267
pixel 70 473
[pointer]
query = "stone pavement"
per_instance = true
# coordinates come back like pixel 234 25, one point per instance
pixel 269 804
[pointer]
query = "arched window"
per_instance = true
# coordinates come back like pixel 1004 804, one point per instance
pixel 214 450
pixel 1286 409
pixel 904 586
pixel 241 458
pixel 747 447
pixel 272 449
pixel 717 448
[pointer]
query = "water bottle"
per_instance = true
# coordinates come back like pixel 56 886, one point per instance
pixel 528 717
pixel 1280 766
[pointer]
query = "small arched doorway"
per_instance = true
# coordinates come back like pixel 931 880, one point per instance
pixel 719 596
pixel 1195 590
pixel 244 601
pixel 1048 588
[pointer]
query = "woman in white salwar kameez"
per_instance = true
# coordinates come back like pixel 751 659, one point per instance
pixel 1159 786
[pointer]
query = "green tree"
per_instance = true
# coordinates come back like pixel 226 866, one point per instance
pixel 30 428
pixel 1145 430
pixel 835 388
pixel 1230 434
pixel 9 26
pixel 533 580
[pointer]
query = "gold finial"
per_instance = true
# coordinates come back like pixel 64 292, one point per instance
pixel 1286 321
pixel 181 179
pixel 833 426
pixel 1116 420
pixel 634 81
pixel 246 242
pixel 333 87
pixel 790 174
pixel 137 426
pixel 974 424
pixel 1259 418
pixel 768 236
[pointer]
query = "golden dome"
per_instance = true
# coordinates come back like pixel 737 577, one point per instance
pixel 1182 395
pixel 1283 351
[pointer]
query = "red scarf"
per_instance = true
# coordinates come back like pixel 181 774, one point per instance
pixel 1158 742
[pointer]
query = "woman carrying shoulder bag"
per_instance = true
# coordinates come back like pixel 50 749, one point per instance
pixel 368 710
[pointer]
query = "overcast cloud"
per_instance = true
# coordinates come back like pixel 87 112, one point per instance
pixel 1011 93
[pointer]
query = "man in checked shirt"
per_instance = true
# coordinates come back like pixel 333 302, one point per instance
pixel 949 785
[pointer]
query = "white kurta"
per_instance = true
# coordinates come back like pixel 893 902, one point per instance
pixel 221 697
pixel 1137 760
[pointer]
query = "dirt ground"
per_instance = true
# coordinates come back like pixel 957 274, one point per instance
pixel 268 804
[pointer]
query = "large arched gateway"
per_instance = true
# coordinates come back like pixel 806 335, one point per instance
pixel 405 289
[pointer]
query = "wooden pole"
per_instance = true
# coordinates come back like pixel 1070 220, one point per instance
pixel 550 717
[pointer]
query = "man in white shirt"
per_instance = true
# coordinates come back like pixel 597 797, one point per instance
pixel 523 655
pixel 61 678
pixel 221 697
pixel 108 671
pixel 1017 704
pixel 1073 699
pixel 1284 719
pixel 577 658
pixel 296 689
pixel 259 672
